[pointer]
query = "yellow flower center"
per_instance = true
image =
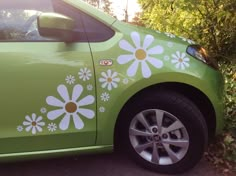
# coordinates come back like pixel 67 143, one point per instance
pixel 140 54
pixel 109 80
pixel 181 60
pixel 34 123
pixel 71 107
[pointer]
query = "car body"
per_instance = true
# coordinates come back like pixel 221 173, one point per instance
pixel 66 79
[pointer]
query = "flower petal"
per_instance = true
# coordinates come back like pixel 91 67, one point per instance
pixel 54 101
pixel 65 122
pixel 28 118
pixel 78 89
pixel 156 50
pixel 34 130
pixel 62 90
pixel 39 119
pixel 86 113
pixel 25 123
pixel 126 46
pixel 109 73
pixel 136 39
pixel 41 124
pixel 109 86
pixel 28 128
pixel 124 59
pixel 148 41
pixel 133 69
pixel 39 128
pixel 52 115
pixel 155 62
pixel 86 100
pixel 146 70
pixel 79 124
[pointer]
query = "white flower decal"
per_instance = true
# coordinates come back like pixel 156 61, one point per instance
pixel 180 60
pixel 105 96
pixel 52 127
pixel 102 109
pixel 140 55
pixel 170 35
pixel 170 44
pixel 70 79
pixel 187 40
pixel 85 74
pixel 109 80
pixel 43 110
pixel 89 87
pixel 125 81
pixel 20 128
pixel 166 58
pixel 70 107
pixel 33 124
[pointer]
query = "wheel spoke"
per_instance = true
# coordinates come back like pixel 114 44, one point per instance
pixel 143 121
pixel 155 155
pixel 175 126
pixel 172 155
pixel 142 147
pixel 178 142
pixel 159 119
pixel 136 132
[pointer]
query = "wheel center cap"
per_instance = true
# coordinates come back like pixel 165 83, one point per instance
pixel 157 138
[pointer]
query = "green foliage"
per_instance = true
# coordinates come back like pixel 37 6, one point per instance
pixel 211 23
pixel 104 5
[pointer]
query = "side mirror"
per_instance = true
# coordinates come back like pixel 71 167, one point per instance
pixel 54 25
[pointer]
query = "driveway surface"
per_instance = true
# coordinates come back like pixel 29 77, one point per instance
pixel 91 165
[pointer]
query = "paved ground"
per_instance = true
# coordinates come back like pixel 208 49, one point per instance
pixel 90 165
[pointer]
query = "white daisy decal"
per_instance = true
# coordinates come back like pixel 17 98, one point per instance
pixel 170 44
pixel 187 40
pixel 180 60
pixel 52 127
pixel 20 128
pixel 105 97
pixel 70 107
pixel 166 58
pixel 90 87
pixel 43 110
pixel 109 80
pixel 102 109
pixel 141 54
pixel 125 81
pixel 33 123
pixel 170 35
pixel 70 79
pixel 85 74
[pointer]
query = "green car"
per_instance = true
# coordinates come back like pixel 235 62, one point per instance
pixel 75 80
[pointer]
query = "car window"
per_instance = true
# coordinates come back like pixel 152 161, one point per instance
pixel 18 19
pixel 87 27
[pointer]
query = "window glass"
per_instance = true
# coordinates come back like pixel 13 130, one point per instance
pixel 18 19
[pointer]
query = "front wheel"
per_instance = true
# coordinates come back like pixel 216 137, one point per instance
pixel 164 132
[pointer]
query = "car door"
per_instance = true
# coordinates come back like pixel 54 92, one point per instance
pixel 47 87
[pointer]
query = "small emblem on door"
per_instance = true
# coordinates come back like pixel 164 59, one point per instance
pixel 106 62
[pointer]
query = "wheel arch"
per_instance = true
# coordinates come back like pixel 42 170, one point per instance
pixel 195 95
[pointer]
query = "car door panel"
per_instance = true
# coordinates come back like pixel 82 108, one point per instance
pixel 47 96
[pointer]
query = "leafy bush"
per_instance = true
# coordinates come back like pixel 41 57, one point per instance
pixel 211 23
pixel 222 153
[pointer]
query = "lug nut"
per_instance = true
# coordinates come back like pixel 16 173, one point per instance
pixel 154 130
pixel 164 136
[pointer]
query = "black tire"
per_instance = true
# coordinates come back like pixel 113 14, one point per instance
pixel 186 112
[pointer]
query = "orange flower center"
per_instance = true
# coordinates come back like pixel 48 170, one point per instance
pixel 34 123
pixel 181 60
pixel 109 80
pixel 140 54
pixel 71 107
